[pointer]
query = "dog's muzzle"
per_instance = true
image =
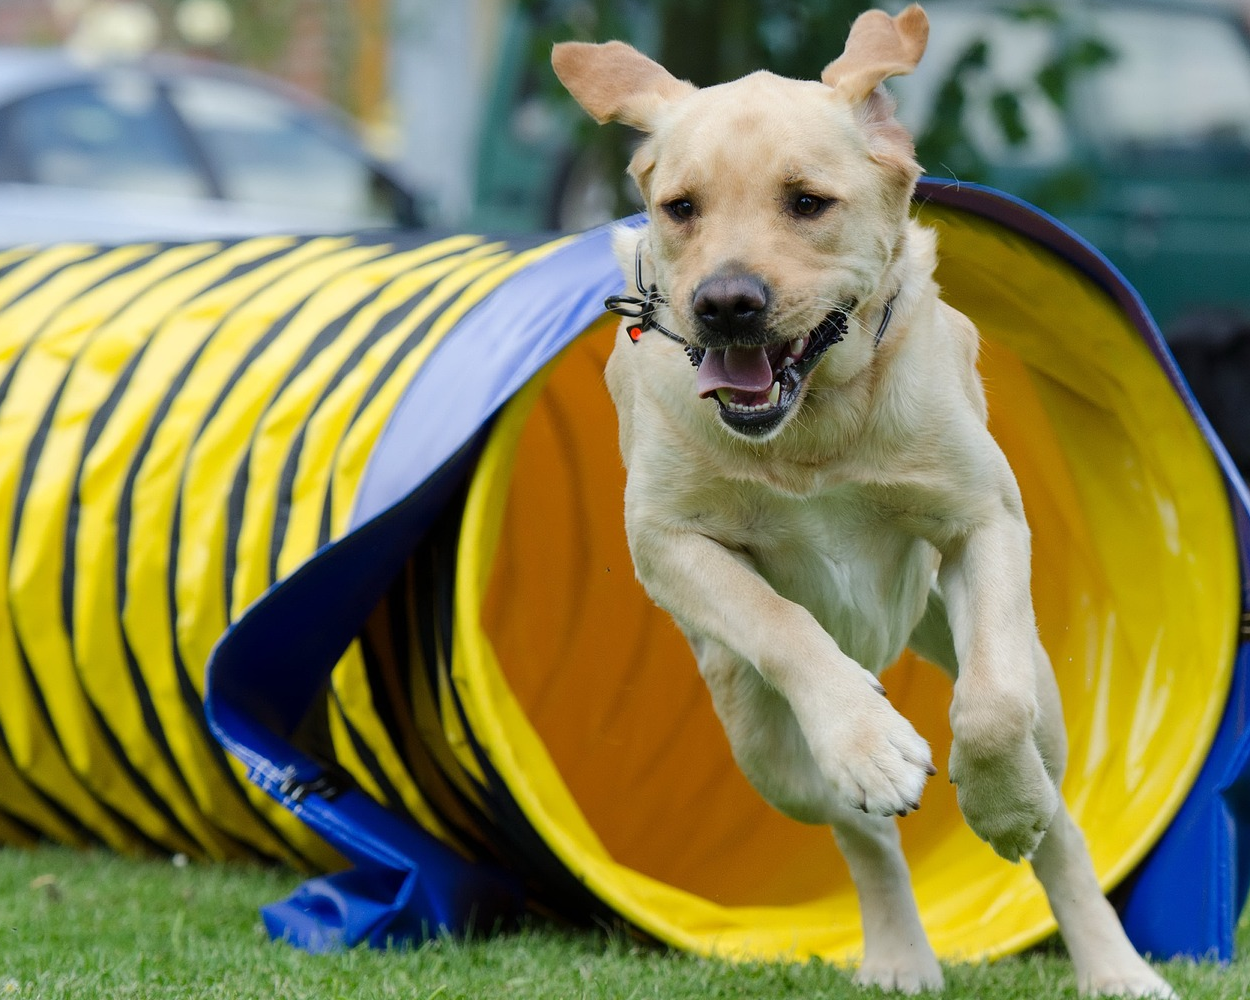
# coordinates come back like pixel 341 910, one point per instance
pixel 754 384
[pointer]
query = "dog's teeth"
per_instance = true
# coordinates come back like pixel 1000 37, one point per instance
pixel 727 401
pixel 797 345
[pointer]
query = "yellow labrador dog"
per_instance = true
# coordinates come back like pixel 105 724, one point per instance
pixel 811 485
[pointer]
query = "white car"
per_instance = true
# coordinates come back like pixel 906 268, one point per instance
pixel 172 148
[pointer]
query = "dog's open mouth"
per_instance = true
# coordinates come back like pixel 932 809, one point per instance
pixel 756 385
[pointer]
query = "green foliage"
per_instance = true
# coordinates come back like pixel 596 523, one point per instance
pixel 262 36
pixel 703 41
pixel 945 141
pixel 948 141
pixel 261 31
pixel 708 41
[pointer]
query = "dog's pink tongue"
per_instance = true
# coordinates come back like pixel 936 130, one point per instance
pixel 742 369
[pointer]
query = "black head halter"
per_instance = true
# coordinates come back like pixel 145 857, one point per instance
pixel 643 310
pixel 830 331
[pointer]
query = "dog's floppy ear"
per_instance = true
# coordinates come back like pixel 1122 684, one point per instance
pixel 616 82
pixel 878 47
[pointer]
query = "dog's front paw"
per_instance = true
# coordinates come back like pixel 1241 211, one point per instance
pixel 1007 798
pixel 871 755
pixel 1146 985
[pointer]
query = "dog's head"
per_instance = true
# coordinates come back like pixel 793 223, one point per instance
pixel 775 208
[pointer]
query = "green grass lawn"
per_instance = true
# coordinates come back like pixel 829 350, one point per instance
pixel 97 927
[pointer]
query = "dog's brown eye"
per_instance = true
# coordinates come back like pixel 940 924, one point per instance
pixel 808 204
pixel 681 209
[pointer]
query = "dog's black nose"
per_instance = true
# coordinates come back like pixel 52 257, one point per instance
pixel 731 307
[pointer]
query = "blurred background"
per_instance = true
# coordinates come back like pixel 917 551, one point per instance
pixel 129 119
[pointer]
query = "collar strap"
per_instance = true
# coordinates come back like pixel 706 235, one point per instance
pixel 886 315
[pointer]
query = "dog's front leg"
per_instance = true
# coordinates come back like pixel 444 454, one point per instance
pixel 774 755
pixel 1006 788
pixel 870 756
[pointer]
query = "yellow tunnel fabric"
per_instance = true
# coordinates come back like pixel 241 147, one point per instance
pixel 183 426
pixel 1135 581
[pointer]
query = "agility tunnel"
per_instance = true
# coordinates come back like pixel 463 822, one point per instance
pixel 349 508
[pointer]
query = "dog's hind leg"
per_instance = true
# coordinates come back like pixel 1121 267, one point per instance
pixel 1105 961
pixel 897 954
pixel 771 751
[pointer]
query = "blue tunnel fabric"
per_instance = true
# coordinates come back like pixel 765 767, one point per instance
pixel 269 665
pixel 267 670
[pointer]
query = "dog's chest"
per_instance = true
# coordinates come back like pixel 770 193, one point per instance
pixel 860 574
